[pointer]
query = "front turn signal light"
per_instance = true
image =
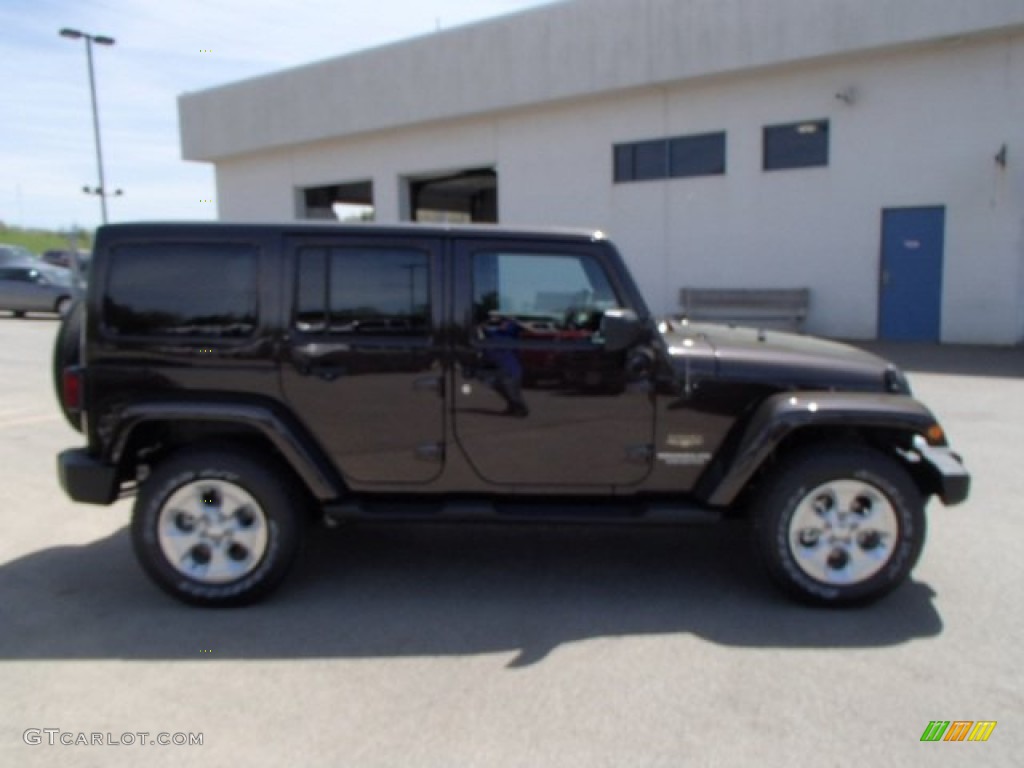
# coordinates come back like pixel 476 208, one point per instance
pixel 935 435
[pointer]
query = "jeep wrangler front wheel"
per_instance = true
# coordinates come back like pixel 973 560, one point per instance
pixel 216 528
pixel 839 525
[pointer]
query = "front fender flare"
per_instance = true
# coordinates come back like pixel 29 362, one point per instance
pixel 781 415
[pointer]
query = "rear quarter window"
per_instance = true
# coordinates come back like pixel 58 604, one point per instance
pixel 182 290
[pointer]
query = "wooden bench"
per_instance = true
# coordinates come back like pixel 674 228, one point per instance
pixel 784 308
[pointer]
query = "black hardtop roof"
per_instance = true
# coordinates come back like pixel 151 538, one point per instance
pixel 142 229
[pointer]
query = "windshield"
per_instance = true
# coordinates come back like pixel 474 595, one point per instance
pixel 15 254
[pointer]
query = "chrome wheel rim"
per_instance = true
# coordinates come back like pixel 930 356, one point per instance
pixel 212 531
pixel 843 532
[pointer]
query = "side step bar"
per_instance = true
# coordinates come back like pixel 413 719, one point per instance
pixel 521 511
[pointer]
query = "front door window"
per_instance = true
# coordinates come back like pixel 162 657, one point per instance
pixel 540 400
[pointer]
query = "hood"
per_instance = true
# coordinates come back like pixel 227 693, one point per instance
pixel 777 359
pixel 55 275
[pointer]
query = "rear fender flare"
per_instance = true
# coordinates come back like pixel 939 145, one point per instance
pixel 303 455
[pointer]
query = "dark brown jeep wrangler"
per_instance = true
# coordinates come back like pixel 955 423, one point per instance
pixel 238 377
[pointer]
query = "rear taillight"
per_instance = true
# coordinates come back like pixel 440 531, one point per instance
pixel 71 388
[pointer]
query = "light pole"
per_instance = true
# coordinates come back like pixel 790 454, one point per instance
pixel 74 34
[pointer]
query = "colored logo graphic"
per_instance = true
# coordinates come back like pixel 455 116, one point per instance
pixel 958 730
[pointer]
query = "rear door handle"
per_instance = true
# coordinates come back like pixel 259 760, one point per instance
pixel 313 359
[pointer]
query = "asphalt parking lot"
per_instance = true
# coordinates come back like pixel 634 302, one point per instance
pixel 447 646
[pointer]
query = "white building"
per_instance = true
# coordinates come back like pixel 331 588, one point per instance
pixel 871 150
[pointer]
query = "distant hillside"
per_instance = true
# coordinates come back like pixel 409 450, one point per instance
pixel 39 240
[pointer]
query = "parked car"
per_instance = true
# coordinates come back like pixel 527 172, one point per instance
pixel 26 287
pixel 76 262
pixel 240 377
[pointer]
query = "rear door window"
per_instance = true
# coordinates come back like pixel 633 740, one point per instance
pixel 182 290
pixel 363 291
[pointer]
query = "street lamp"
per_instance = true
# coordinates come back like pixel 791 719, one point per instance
pixel 74 34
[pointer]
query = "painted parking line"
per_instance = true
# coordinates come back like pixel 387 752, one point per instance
pixel 11 413
pixel 6 423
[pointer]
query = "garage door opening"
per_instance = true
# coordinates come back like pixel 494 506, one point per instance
pixel 460 198
pixel 351 201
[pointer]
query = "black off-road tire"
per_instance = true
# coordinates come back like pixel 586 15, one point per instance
pixel 67 353
pixel 240 512
pixel 813 557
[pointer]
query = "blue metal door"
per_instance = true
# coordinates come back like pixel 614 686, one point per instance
pixel 910 301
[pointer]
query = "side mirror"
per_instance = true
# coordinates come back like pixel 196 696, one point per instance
pixel 621 329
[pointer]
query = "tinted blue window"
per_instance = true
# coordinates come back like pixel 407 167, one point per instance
pixel 623 159
pixel 797 145
pixel 678 157
pixel 641 160
pixel 650 160
pixel 700 155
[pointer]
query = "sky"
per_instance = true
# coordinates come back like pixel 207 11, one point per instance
pixel 163 48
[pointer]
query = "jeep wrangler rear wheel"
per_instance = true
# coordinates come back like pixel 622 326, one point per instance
pixel 216 528
pixel 840 525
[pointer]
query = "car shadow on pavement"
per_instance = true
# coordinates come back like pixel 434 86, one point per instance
pixel 441 590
